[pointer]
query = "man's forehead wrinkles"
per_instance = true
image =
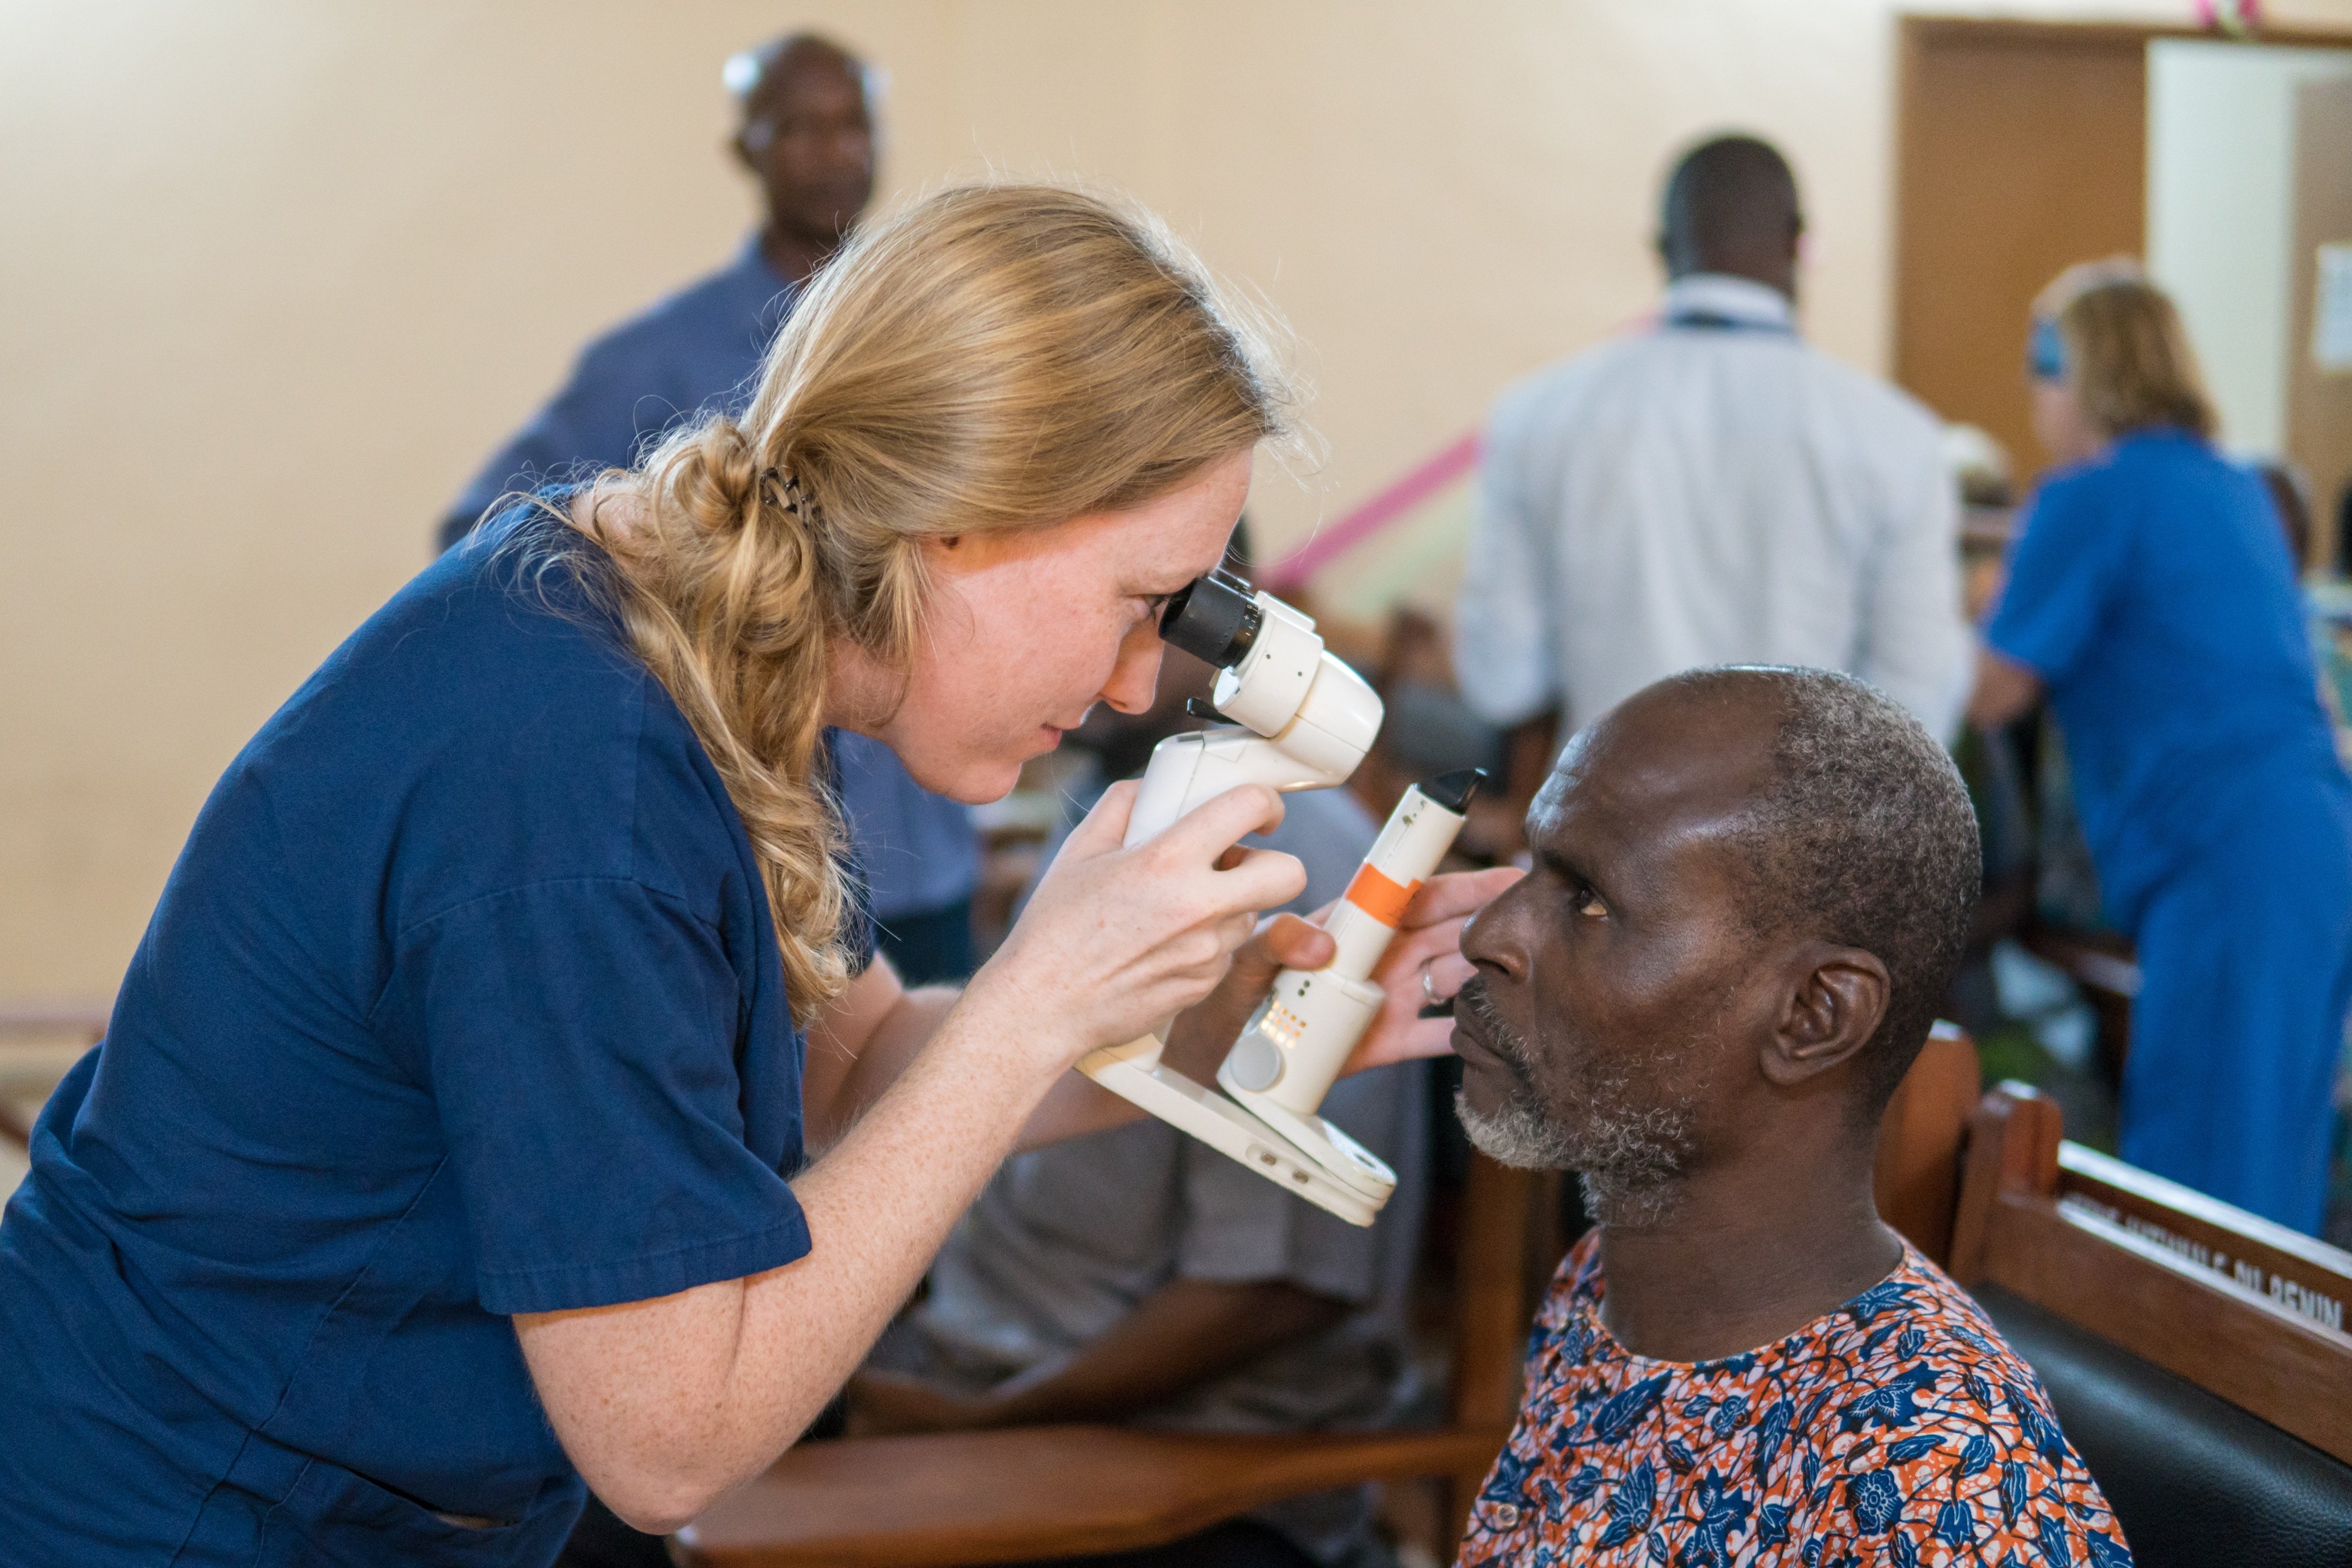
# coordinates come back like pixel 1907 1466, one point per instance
pixel 1695 845
pixel 1640 813
pixel 1646 792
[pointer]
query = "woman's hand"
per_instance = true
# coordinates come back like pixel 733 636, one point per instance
pixel 1428 938
pixel 1116 940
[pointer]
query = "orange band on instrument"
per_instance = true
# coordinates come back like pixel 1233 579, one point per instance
pixel 1379 897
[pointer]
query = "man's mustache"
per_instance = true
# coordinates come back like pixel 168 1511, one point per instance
pixel 1486 1023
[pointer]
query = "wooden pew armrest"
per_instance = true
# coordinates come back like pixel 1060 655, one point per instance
pixel 977 1497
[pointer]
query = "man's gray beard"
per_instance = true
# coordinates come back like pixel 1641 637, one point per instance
pixel 1629 1164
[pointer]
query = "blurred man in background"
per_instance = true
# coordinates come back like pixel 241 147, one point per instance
pixel 1711 491
pixel 807 136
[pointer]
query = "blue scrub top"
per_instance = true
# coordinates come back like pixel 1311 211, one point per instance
pixel 2151 590
pixel 462 1000
pixel 697 351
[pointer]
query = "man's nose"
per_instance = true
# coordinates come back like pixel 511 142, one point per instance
pixel 1493 938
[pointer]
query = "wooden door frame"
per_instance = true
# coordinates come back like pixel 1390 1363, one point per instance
pixel 1917 30
pixel 1918 34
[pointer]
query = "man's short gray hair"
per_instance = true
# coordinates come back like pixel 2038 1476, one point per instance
pixel 1862 836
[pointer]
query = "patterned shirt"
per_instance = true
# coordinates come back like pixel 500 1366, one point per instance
pixel 1898 1429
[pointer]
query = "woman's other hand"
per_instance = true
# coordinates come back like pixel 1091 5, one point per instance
pixel 1428 939
pixel 1116 940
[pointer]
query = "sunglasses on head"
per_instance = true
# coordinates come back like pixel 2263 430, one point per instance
pixel 2045 352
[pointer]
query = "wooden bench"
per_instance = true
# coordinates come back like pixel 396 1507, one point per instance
pixel 1917 1176
pixel 2195 1353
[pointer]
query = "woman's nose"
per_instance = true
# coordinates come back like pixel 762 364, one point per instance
pixel 1135 678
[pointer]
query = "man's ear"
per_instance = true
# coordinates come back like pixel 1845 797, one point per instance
pixel 1835 1000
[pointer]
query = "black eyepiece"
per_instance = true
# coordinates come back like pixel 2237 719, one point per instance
pixel 1213 618
pixel 1453 790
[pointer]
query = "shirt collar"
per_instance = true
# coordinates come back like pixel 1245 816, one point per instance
pixel 752 262
pixel 765 293
pixel 1734 298
pixel 2163 433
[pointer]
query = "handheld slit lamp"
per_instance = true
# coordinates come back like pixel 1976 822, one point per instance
pixel 1303 721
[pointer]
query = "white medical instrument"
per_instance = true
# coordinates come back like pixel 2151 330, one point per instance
pixel 1305 721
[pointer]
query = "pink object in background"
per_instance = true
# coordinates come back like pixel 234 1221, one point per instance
pixel 1432 475
pixel 2239 16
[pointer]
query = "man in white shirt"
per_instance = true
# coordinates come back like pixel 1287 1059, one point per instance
pixel 1708 491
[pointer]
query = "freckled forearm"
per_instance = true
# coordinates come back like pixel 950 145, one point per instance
pixel 896 1037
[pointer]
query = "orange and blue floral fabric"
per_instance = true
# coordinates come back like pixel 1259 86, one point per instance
pixel 1896 1430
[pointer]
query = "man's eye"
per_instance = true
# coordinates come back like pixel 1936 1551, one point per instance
pixel 1588 903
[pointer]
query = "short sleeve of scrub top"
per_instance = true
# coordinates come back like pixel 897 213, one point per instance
pixel 595 1138
pixel 462 1000
pixel 2063 569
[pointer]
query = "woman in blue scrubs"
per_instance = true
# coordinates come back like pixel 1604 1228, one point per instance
pixel 2150 595
pixel 447 1143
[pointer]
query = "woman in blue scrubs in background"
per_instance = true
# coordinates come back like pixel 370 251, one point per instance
pixel 446 1146
pixel 2150 595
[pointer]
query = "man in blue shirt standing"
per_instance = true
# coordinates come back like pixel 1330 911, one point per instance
pixel 807 136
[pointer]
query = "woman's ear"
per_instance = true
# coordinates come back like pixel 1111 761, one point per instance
pixel 943 554
pixel 1836 1001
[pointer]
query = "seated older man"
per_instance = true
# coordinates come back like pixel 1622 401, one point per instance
pixel 1750 889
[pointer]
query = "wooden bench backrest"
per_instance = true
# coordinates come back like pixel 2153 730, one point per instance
pixel 2244 1309
pixel 1497 1241
pixel 1918 1176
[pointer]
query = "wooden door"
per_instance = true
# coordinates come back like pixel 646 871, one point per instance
pixel 2319 401
pixel 2023 150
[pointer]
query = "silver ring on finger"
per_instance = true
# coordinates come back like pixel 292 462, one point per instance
pixel 1429 986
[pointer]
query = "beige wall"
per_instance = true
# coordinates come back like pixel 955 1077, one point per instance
pixel 279 273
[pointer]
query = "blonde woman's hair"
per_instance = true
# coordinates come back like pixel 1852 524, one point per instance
pixel 990 359
pixel 2128 358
